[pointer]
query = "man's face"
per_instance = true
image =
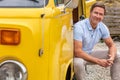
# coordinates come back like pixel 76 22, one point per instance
pixel 96 15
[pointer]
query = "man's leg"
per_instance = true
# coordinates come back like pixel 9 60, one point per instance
pixel 79 68
pixel 101 54
pixel 79 63
pixel 115 68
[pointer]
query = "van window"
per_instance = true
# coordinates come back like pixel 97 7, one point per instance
pixel 23 3
pixel 59 2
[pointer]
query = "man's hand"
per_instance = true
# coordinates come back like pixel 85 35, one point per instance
pixel 112 50
pixel 110 60
pixel 103 62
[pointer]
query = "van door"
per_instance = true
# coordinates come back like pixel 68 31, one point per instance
pixel 61 45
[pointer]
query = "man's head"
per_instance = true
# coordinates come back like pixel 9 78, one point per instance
pixel 97 13
pixel 98 4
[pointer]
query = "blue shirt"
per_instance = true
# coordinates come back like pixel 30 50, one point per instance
pixel 84 32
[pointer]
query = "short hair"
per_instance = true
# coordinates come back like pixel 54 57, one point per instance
pixel 98 4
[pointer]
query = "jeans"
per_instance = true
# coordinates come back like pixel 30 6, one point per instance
pixel 80 69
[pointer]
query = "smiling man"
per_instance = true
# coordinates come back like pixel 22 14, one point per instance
pixel 87 33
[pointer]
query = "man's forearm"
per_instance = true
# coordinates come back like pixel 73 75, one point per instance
pixel 112 51
pixel 85 56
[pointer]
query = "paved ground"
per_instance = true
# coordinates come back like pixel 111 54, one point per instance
pixel 95 72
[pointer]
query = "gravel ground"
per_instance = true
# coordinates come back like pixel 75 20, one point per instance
pixel 96 72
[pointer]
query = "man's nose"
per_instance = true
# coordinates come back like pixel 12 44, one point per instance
pixel 98 15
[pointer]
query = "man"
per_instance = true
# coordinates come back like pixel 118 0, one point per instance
pixel 87 33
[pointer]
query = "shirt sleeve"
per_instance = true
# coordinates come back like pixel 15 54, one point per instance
pixel 78 33
pixel 105 32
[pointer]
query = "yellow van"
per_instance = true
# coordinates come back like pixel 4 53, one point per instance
pixel 36 39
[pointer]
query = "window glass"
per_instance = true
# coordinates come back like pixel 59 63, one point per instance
pixel 23 3
pixel 58 2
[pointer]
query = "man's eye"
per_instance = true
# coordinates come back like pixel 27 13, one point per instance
pixel 95 12
pixel 101 14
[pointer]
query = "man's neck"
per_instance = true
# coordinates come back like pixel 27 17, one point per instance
pixel 93 25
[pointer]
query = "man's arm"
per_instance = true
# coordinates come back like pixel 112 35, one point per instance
pixel 78 52
pixel 112 48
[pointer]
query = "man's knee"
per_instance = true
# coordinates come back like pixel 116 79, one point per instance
pixel 78 62
pixel 118 53
pixel 117 57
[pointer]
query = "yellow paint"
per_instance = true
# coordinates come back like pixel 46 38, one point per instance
pixel 46 28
